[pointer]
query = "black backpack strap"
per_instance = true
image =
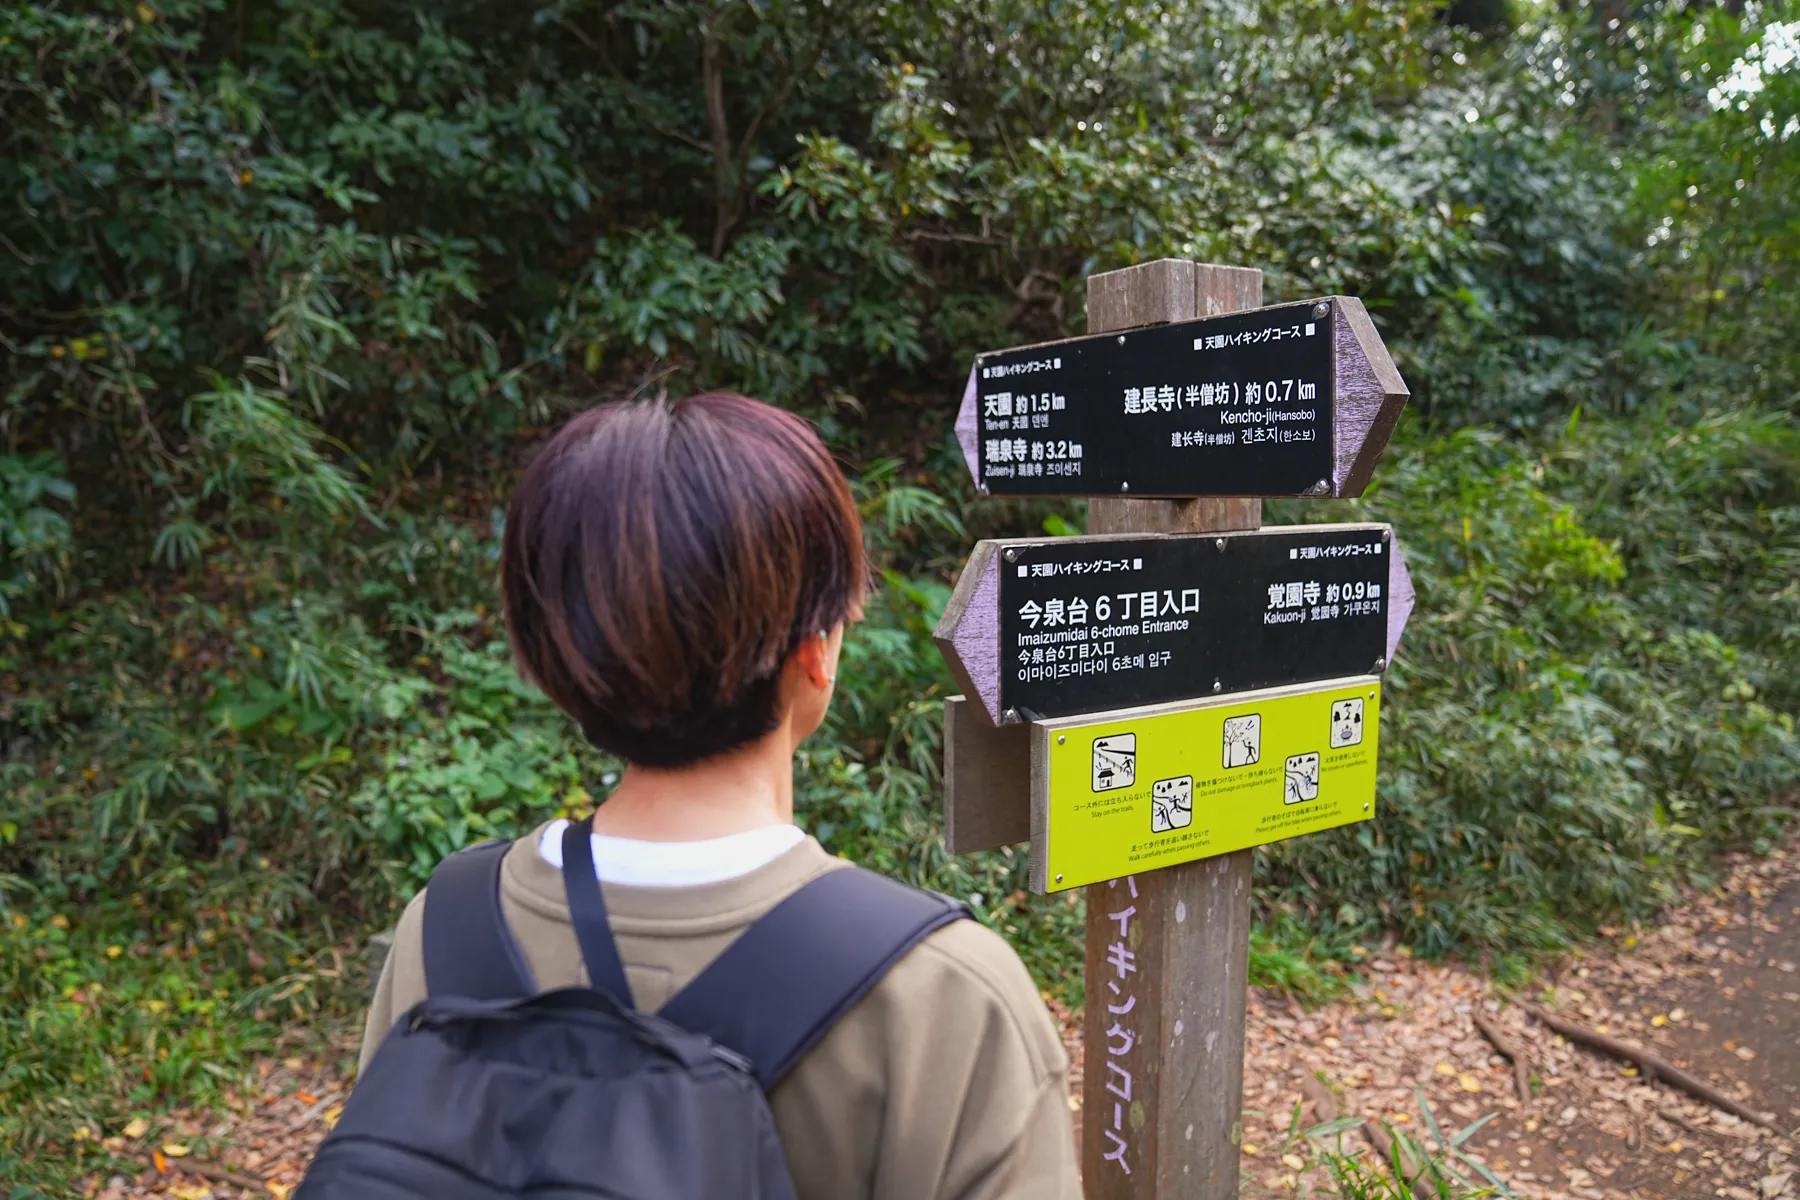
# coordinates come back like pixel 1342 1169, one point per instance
pixel 775 991
pixel 587 911
pixel 469 951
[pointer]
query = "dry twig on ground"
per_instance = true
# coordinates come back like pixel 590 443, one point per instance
pixel 1512 1050
pixel 218 1174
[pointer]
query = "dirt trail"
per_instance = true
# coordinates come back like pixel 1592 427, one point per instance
pixel 1715 989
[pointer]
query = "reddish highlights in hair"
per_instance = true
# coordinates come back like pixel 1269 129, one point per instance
pixel 661 562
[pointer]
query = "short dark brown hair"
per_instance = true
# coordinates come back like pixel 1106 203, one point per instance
pixel 661 562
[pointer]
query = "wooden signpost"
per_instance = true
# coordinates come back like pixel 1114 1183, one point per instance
pixel 1144 705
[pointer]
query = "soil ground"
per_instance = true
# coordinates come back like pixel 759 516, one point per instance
pixel 1715 989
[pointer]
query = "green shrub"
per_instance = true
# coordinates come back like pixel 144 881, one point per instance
pixel 1574 723
pixel 34 531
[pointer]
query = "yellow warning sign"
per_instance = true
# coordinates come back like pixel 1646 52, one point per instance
pixel 1168 785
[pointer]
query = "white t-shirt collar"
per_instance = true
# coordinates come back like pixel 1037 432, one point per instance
pixel 634 863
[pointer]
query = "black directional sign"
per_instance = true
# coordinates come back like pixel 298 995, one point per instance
pixel 1080 625
pixel 1238 405
pixel 1293 400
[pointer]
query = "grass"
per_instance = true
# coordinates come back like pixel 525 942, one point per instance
pixel 117 1013
pixel 1439 1167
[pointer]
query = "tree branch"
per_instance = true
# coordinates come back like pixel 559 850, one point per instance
pixel 631 92
pixel 973 239
pixel 780 96
pixel 1652 1067
pixel 724 176
pixel 774 103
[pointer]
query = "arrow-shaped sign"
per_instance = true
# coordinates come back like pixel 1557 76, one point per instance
pixel 1291 400
pixel 1039 629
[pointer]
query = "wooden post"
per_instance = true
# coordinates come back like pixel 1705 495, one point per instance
pixel 1163 1084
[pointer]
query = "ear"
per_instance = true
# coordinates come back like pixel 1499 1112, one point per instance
pixel 809 657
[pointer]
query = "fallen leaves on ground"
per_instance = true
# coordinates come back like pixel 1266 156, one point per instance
pixel 1589 1113
pixel 268 1136
pixel 1407 1025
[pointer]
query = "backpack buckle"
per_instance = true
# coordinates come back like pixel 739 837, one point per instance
pixel 730 1057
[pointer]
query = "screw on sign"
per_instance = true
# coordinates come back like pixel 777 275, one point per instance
pixel 1144 706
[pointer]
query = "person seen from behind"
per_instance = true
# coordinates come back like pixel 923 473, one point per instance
pixel 678 578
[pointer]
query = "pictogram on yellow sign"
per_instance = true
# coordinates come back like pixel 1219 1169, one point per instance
pixel 1152 787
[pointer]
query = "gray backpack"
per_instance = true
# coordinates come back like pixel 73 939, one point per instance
pixel 489 1088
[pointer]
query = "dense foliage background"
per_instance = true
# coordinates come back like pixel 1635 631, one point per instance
pixel 289 290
